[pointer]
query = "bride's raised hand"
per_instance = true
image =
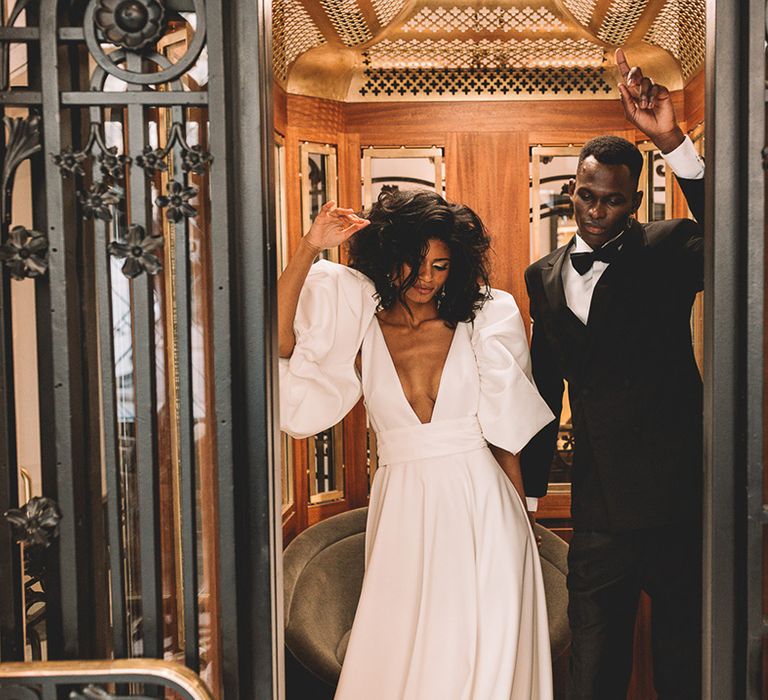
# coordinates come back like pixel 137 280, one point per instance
pixel 333 225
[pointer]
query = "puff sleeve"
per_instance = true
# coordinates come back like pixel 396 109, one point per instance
pixel 511 410
pixel 319 383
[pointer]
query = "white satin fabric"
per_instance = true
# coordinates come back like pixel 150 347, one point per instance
pixel 452 605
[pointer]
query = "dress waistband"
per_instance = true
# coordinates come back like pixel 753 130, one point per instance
pixel 427 440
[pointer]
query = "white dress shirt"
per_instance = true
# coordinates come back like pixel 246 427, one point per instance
pixel 685 163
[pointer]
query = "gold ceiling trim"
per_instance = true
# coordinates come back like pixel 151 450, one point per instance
pixel 358 50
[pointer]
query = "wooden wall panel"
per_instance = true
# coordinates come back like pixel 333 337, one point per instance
pixel 280 102
pixel 693 112
pixel 316 119
pixel 391 123
pixel 350 171
pixel 292 189
pixel 489 172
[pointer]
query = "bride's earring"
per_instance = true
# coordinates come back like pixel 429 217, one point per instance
pixel 440 296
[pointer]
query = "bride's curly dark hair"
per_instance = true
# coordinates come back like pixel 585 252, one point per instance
pixel 402 223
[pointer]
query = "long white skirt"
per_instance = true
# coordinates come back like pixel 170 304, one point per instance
pixel 452 605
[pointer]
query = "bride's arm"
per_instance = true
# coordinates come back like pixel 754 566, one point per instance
pixel 331 228
pixel 510 465
pixel 288 290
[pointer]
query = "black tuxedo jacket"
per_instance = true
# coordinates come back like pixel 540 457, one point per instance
pixel 634 387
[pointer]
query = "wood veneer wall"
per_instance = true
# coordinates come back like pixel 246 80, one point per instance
pixel 486 153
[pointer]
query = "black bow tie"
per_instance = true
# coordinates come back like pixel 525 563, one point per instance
pixel 582 262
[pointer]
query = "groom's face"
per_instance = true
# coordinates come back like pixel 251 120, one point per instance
pixel 603 196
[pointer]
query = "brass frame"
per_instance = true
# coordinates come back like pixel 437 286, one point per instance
pixel 536 153
pixel 371 152
pixel 331 183
pixel 339 467
pixel 165 673
pixel 280 202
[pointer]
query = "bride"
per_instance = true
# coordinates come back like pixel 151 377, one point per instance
pixel 452 605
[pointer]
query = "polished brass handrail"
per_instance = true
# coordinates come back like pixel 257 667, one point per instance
pixel 167 674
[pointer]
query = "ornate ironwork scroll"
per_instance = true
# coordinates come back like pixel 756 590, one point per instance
pixel 35 526
pixel 133 25
pixel 24 252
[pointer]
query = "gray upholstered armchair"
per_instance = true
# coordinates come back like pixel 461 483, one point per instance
pixel 323 574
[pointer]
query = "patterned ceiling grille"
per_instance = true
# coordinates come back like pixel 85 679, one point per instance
pixel 348 21
pixel 620 20
pixel 582 10
pixel 484 19
pixel 486 53
pixel 680 28
pixel 294 32
pixel 387 9
pixel 423 82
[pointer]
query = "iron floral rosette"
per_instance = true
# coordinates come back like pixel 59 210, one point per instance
pixel 36 523
pixel 25 253
pixel 136 250
pixel 131 24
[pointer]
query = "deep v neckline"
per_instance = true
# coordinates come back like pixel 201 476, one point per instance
pixel 400 381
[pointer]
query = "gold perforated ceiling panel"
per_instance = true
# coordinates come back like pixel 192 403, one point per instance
pixel 503 20
pixel 414 49
pixel 680 29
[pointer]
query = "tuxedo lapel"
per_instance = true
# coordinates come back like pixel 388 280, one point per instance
pixel 552 281
pixel 610 283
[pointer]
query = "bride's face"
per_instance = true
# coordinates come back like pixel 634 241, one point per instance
pixel 433 273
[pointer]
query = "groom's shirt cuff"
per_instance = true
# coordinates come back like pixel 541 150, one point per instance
pixel 685 162
pixel 532 504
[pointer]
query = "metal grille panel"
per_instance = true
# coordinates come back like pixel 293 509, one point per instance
pixel 484 19
pixel 620 20
pixel 486 53
pixel 387 9
pixel 348 21
pixel 425 82
pixel 294 32
pixel 582 10
pixel 680 28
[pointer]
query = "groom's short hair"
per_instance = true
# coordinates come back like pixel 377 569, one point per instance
pixel 613 150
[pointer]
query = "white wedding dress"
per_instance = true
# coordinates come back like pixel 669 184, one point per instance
pixel 452 605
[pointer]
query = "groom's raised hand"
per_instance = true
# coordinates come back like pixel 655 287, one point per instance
pixel 648 106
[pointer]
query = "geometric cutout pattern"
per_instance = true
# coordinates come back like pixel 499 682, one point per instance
pixel 485 53
pixel 348 21
pixel 293 33
pixel 387 9
pixel 582 10
pixel 620 20
pixel 423 82
pixel 483 19
pixel 680 28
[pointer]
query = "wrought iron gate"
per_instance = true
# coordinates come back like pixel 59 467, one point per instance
pixel 144 125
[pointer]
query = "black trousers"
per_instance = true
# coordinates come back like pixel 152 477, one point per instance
pixel 607 571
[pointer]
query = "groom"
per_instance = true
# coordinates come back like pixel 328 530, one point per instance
pixel 611 312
